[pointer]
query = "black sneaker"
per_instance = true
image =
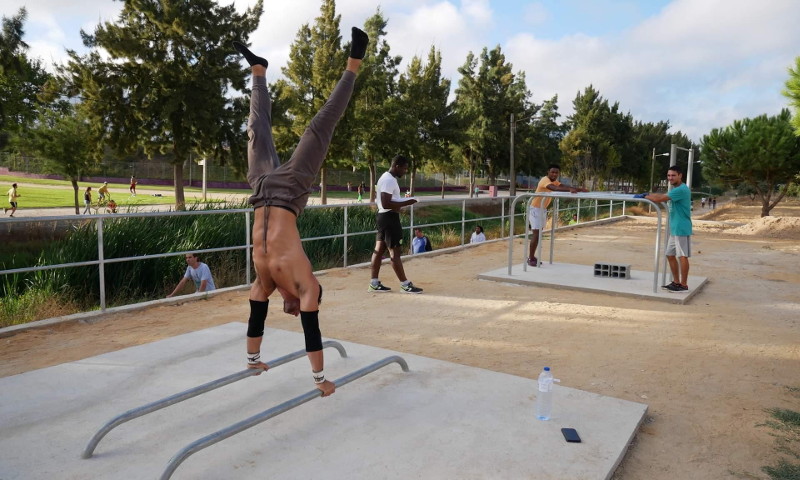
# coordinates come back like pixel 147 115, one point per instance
pixel 677 288
pixel 410 288
pixel 378 288
pixel 669 285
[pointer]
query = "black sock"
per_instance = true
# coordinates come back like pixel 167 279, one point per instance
pixel 249 56
pixel 358 47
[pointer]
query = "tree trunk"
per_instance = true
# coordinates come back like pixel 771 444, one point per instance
pixel 411 182
pixel 372 179
pixel 444 181
pixel 177 173
pixel 75 192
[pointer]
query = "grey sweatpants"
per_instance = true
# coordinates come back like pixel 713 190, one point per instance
pixel 289 184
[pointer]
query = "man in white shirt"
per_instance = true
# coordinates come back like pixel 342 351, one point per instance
pixel 390 231
pixel 478 236
pixel 198 272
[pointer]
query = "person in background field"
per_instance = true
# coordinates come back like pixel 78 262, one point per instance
pixel 87 200
pixel 102 192
pixel 390 231
pixel 478 235
pixel 679 245
pixel 12 199
pixel 280 194
pixel 537 217
pixel 198 272
pixel 133 185
pixel 361 188
pixel 420 243
pixel 574 219
pixel 112 206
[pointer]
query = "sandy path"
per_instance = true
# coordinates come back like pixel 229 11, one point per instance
pixel 707 370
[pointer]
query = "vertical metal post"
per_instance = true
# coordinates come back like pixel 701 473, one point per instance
pixel 512 189
pixel 345 236
pixel 579 211
pixel 595 209
pixel 411 230
pixel 247 243
pixel 610 208
pixel 463 216
pixel 623 208
pixel 101 266
pixel 689 170
pixel 502 218
pixel 553 226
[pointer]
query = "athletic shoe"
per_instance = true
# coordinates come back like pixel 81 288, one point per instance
pixel 4 210
pixel 669 285
pixel 677 288
pixel 532 262
pixel 410 288
pixel 378 288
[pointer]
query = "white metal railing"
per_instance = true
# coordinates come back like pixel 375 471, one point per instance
pixel 463 222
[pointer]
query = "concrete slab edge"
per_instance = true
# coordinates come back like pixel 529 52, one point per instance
pixel 628 443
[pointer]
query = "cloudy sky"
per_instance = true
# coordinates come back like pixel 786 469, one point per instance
pixel 698 63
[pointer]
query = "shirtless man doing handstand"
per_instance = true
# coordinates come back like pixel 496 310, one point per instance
pixel 280 195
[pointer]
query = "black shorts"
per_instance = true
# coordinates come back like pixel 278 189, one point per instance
pixel 389 229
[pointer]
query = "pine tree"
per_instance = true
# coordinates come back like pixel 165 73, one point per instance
pixel 165 87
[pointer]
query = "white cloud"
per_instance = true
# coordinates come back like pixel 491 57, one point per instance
pixel 699 64
pixel 536 14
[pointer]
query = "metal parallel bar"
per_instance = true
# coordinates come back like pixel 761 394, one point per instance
pixel 220 435
pixel 193 392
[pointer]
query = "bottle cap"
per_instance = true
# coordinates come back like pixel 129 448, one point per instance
pixel 546 369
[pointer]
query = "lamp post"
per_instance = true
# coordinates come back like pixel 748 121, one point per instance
pixel 653 166
pixel 512 189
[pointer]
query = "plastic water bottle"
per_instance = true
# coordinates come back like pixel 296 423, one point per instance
pixel 544 398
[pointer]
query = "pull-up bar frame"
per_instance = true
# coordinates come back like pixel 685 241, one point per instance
pixel 220 435
pixel 591 195
pixel 193 392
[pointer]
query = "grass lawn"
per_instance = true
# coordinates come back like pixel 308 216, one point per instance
pixel 36 197
pixel 113 187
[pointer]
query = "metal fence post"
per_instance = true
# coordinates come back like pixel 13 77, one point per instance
pixel 463 216
pixel 502 218
pixel 101 266
pixel 579 211
pixel 248 245
pixel 345 236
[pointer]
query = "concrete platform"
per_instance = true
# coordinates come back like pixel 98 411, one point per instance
pixel 440 420
pixel 581 278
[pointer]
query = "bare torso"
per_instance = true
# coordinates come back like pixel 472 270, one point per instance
pixel 284 265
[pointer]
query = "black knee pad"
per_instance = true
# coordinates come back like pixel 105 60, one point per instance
pixel 258 315
pixel 310 321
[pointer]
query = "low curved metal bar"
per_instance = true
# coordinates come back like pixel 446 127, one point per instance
pixel 193 392
pixel 220 435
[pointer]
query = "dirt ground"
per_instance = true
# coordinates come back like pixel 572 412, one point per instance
pixel 707 370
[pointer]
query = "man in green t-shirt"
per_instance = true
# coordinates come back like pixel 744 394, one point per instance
pixel 680 228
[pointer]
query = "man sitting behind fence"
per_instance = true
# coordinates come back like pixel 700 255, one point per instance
pixel 199 273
